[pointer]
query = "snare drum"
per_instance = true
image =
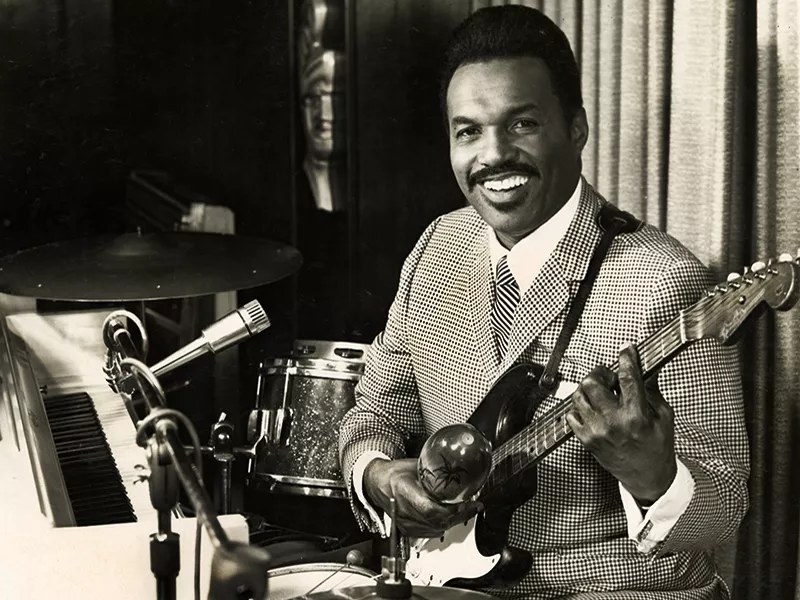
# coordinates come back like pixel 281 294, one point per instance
pixel 299 580
pixel 300 402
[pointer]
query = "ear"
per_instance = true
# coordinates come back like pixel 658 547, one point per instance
pixel 579 130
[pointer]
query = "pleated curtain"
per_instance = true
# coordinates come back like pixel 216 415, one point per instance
pixel 694 115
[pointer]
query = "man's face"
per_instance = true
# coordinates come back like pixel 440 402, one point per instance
pixel 321 82
pixel 514 155
pixel 323 105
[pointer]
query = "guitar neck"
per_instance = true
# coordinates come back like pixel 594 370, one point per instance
pixel 543 435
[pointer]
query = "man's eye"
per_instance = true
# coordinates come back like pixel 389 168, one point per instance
pixel 526 124
pixel 467 132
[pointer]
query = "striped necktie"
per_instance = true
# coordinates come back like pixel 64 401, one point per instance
pixel 506 298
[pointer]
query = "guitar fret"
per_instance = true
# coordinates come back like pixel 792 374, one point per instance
pixel 536 439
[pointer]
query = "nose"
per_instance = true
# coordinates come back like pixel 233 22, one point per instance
pixel 496 148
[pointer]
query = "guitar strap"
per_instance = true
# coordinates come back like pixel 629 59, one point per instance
pixel 611 221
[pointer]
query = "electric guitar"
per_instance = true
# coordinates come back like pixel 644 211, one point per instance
pixel 475 553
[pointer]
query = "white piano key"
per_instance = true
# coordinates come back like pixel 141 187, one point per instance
pixel 120 432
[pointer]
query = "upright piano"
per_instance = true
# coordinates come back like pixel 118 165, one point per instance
pixel 74 506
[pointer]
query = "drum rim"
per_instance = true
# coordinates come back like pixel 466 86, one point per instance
pixel 305 486
pixel 310 368
pixel 322 567
pixel 329 348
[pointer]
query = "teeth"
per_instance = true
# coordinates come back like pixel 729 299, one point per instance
pixel 505 184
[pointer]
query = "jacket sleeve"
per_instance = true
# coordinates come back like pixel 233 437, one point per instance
pixel 387 412
pixel 703 386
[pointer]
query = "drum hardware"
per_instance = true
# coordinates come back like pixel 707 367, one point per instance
pixel 393 582
pixel 140 267
pixel 224 452
pixel 221 441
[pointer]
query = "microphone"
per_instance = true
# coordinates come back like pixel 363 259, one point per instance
pixel 231 329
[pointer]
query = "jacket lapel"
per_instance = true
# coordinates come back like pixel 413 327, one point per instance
pixel 480 306
pixel 549 293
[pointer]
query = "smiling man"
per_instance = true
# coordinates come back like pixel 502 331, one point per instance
pixel 656 473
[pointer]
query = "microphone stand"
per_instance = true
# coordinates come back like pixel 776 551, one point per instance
pixel 238 570
pixel 165 558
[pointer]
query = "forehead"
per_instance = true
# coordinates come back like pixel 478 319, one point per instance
pixel 492 88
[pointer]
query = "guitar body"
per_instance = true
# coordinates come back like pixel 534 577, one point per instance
pixel 475 554
pixel 504 412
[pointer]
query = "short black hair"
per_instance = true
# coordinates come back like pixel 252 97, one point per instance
pixel 509 31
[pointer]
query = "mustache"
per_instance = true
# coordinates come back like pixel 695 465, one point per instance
pixel 494 171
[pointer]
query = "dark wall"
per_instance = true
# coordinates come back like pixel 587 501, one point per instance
pixel 62 162
pixel 402 167
pixel 203 90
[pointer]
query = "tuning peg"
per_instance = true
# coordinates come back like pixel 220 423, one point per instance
pixel 758 266
pixel 734 280
pixel 785 257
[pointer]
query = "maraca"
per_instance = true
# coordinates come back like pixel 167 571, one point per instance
pixel 454 463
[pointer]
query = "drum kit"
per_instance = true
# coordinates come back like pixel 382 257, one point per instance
pixel 292 431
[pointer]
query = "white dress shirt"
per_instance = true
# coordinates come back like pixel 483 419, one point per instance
pixel 525 260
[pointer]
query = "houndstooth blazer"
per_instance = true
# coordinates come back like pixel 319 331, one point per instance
pixel 436 360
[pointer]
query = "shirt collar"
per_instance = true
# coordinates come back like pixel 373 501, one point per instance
pixel 527 257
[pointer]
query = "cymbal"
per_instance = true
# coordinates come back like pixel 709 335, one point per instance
pixel 148 266
pixel 421 592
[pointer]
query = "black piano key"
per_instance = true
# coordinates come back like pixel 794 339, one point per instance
pixel 91 476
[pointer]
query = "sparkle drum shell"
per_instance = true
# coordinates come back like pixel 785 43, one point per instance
pixel 300 403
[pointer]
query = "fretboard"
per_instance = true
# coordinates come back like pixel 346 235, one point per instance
pixel 531 444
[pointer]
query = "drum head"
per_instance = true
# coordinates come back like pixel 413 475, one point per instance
pixel 298 580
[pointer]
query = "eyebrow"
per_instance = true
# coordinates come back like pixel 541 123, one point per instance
pixel 522 108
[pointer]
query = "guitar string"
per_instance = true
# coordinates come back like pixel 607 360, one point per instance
pixel 651 349
pixel 515 446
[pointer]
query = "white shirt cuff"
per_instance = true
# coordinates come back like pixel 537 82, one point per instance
pixel 652 528
pixel 358 487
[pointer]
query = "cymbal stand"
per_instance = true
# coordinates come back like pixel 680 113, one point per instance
pixel 393 584
pixel 222 449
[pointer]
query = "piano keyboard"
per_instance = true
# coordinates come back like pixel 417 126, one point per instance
pixel 67 358
pixel 118 433
pixel 121 435
pixel 92 479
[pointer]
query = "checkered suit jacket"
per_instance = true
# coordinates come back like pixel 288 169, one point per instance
pixel 436 360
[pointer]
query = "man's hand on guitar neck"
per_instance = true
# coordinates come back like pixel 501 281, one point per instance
pixel 630 433
pixel 418 515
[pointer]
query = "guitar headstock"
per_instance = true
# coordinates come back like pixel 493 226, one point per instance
pixel 726 306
